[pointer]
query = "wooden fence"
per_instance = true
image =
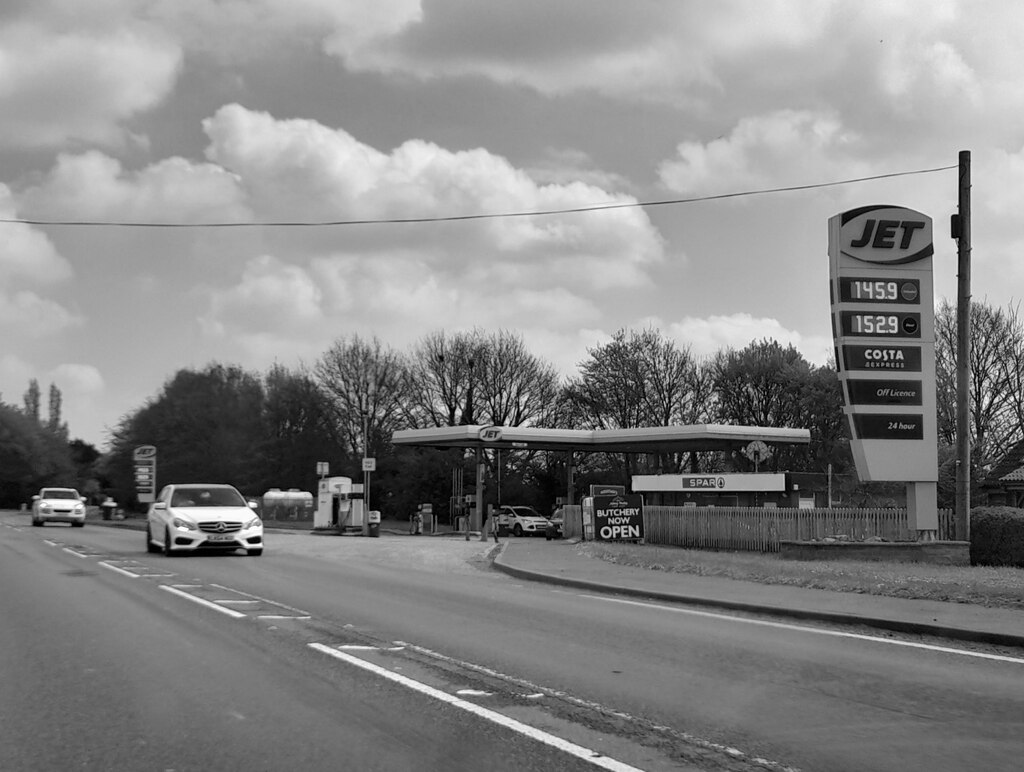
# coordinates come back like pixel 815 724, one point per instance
pixel 760 530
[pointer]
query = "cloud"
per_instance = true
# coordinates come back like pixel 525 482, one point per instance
pixel 706 337
pixel 302 170
pixel 94 186
pixel 25 252
pixel 763 150
pixel 67 78
pixel 26 315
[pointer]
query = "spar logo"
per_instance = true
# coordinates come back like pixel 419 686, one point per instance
pixel 706 483
pixel 893 235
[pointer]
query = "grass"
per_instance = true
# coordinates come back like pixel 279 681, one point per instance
pixel 980 585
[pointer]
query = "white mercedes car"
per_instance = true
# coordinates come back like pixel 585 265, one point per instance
pixel 203 516
pixel 58 505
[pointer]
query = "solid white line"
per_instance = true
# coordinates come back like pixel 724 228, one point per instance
pixel 815 630
pixel 76 554
pixel 119 570
pixel 202 602
pixel 573 749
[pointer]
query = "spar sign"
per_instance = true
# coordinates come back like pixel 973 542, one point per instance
pixel 619 517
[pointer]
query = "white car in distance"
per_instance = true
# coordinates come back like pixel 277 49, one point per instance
pixel 58 505
pixel 203 517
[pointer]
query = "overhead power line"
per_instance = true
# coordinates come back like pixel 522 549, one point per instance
pixel 462 217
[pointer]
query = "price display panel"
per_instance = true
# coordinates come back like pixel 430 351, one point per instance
pixel 875 324
pixel 869 289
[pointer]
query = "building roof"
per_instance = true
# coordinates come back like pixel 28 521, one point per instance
pixel 666 439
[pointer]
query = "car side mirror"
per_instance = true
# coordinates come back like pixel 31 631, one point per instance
pixel 253 505
pixel 159 505
pixel 35 497
pixel 82 499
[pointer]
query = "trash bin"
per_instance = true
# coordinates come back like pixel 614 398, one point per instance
pixel 373 523
pixel 108 507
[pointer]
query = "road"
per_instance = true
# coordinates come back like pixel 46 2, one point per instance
pixel 411 653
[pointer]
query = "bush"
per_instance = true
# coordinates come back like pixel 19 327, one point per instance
pixel 997 536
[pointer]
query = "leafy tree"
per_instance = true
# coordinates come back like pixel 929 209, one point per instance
pixel 31 399
pixel 298 430
pixel 54 419
pixel 30 457
pixel 767 385
pixel 205 425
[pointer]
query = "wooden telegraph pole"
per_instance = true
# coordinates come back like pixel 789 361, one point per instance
pixel 962 233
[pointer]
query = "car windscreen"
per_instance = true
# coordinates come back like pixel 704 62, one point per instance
pixel 207 497
pixel 59 494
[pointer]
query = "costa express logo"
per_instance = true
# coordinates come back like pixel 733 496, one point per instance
pixel 892 235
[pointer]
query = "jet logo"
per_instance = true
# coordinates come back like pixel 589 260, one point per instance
pixel 886 234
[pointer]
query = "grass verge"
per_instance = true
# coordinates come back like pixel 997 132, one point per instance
pixel 993 587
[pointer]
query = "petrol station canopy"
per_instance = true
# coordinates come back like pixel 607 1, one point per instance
pixel 655 439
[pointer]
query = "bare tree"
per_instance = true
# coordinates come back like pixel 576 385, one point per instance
pixel 364 378
pixel 441 374
pixel 996 339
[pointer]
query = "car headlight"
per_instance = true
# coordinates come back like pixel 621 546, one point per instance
pixel 45 508
pixel 253 523
pixel 184 524
pixel 79 509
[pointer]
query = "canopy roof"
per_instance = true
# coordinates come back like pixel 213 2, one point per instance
pixel 665 439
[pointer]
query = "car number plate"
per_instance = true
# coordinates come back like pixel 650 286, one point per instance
pixel 221 537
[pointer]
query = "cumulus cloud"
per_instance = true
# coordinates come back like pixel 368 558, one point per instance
pixel 762 150
pixel 26 315
pixel 302 170
pixel 61 82
pixel 25 252
pixel 93 185
pixel 708 336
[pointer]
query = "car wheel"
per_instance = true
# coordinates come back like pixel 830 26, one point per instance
pixel 517 529
pixel 37 523
pixel 150 546
pixel 256 552
pixel 167 543
pixel 78 525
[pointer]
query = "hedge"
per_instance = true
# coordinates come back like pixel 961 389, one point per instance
pixel 997 536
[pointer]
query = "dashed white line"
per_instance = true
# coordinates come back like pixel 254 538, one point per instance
pixel 201 601
pixel 580 752
pixel 119 570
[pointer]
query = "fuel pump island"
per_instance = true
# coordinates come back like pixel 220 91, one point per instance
pixel 883 325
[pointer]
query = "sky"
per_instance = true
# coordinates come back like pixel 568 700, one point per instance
pixel 123 113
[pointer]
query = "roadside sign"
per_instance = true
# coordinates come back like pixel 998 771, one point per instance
pixel 369 464
pixel 619 517
pixel 883 323
pixel 144 459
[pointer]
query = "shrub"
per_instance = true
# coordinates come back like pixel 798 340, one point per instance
pixel 997 536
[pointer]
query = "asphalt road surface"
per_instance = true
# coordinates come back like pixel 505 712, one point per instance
pixel 411 653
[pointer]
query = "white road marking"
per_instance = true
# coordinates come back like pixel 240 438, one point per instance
pixel 542 691
pixel 262 600
pixel 279 616
pixel 76 554
pixel 118 569
pixel 201 601
pixel 805 629
pixel 586 754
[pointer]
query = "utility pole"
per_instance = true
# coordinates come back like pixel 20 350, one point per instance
pixel 962 233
